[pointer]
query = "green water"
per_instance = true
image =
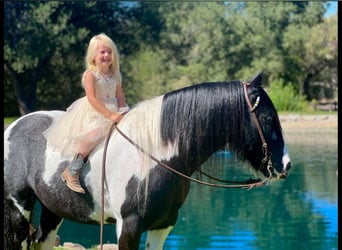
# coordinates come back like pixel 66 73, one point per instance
pixel 297 213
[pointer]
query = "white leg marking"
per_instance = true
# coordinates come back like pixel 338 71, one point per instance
pixel 156 238
pixel 286 157
pixel 118 228
pixel 25 213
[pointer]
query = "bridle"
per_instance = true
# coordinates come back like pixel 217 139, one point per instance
pixel 268 155
pixel 249 184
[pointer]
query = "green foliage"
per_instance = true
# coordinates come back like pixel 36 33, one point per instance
pixel 285 98
pixel 9 120
pixel 165 46
pixel 146 69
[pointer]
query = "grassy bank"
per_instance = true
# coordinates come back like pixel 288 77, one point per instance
pixel 8 120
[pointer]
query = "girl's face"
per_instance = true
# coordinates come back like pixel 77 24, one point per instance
pixel 103 57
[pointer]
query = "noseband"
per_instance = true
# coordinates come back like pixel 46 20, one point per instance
pixel 267 159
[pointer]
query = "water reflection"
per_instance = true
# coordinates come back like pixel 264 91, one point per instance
pixel 297 213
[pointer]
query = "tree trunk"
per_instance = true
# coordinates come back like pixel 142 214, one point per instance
pixel 26 101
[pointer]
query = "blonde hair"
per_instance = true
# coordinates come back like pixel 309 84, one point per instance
pixel 91 53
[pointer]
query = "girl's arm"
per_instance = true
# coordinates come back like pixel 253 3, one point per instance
pixel 120 96
pixel 89 86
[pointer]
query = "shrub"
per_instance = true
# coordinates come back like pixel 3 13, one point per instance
pixel 285 98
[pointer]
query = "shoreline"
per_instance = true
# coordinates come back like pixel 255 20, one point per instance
pixel 298 121
pixel 310 129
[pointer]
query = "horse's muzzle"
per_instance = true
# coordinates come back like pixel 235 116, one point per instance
pixel 283 174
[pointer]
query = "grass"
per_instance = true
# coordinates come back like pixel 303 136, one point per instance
pixel 8 120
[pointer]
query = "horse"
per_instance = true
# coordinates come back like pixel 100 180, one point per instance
pixel 181 129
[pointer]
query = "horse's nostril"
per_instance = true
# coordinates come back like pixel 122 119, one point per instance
pixel 288 167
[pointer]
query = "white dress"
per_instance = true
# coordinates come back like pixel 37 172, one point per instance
pixel 80 118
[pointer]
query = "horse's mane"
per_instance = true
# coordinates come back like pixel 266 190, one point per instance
pixel 142 125
pixel 180 122
pixel 207 113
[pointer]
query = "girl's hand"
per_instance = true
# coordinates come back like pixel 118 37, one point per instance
pixel 116 117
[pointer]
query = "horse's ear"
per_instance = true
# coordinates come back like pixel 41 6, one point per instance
pixel 257 79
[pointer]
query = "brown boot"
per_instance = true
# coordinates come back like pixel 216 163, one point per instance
pixel 72 181
pixel 71 174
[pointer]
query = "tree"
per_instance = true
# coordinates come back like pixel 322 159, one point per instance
pixel 166 46
pixel 320 80
pixel 37 37
pixel 310 52
pixel 45 44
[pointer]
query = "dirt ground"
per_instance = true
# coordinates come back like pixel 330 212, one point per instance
pixel 308 121
pixel 309 129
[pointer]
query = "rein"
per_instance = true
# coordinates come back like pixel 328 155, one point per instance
pixel 248 184
pixel 103 176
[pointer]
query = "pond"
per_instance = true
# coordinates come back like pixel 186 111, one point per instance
pixel 297 213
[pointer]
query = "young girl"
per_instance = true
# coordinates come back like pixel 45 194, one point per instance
pixel 89 118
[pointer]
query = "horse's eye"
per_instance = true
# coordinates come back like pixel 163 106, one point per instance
pixel 267 119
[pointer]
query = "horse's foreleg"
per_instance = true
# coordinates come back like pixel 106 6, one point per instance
pixel 45 236
pixel 156 238
pixel 130 235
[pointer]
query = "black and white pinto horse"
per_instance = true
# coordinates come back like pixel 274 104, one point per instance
pixel 182 129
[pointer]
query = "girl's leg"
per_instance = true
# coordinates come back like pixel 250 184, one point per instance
pixel 71 174
pixel 89 142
